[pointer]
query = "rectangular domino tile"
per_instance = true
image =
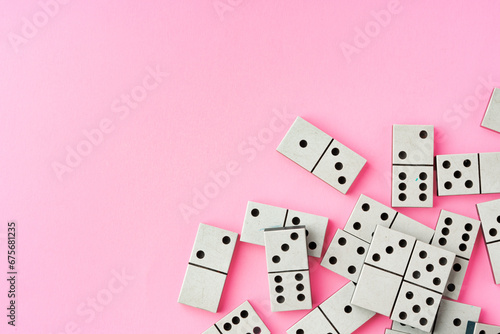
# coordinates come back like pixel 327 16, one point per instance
pixel 288 268
pixel 457 234
pixel 412 165
pixel 468 174
pixel 402 276
pixel 207 268
pixel 242 319
pixel 261 216
pixel 320 154
pixel 491 118
pixel 334 315
pixel 489 213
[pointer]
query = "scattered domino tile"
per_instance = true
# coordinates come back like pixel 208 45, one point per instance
pixel 288 268
pixel 320 154
pixel 491 118
pixel 412 165
pixel 468 174
pixel 207 269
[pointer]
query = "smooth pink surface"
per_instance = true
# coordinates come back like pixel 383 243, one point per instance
pixel 232 66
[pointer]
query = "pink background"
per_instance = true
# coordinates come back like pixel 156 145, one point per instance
pixel 232 65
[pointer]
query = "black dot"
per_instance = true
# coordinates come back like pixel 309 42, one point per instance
pixel 257 330
pixel 295 220
pixel 422 254
pixel 422 186
pixel 278 279
pixel 244 314
pixel 409 295
pixel 335 151
pixel 280 299
pixel 294 236
pixel 457 174
pixel 467 163
pixel 416 308
pixel 356 226
pixel 423 134
pixel 300 287
pixel 227 326
pixel 493 232
pixel 312 245
pixel 348 309
pixel 303 143
pixel 446 164
pixel 402 197
pixel 416 274
pixel 429 301
pixel 365 207
pixel 457 267
pixel 279 289
pixel 351 269
pixel 402 186
pixel 332 260
pixel 299 331
pixel 468 184
pixel 445 231
pixel 457 322
pixel 402 155
pixel 307 233
pixel 429 268
pixel 301 297
pixel 361 250
pixel 276 259
pixel 339 166
pixel 376 257
pixel 422 197
pixel 443 261
pixel 442 241
pixel 448 221
pixel 498 219
pixel 236 320
pixel 462 247
pixel 423 321
pixel 342 241
pixel 342 180
pixel 451 287
pixel 299 277
pixel 436 281
pixel 423 176
pixel 226 240
pixel 402 176
pixel 285 247
pixel 384 216
pixel 200 254
pixel 465 237
pixel 402 315
pixel 468 227
pixel 403 243
pixel 255 212
pixel 389 250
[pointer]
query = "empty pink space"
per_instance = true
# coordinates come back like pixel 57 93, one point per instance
pixel 115 118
